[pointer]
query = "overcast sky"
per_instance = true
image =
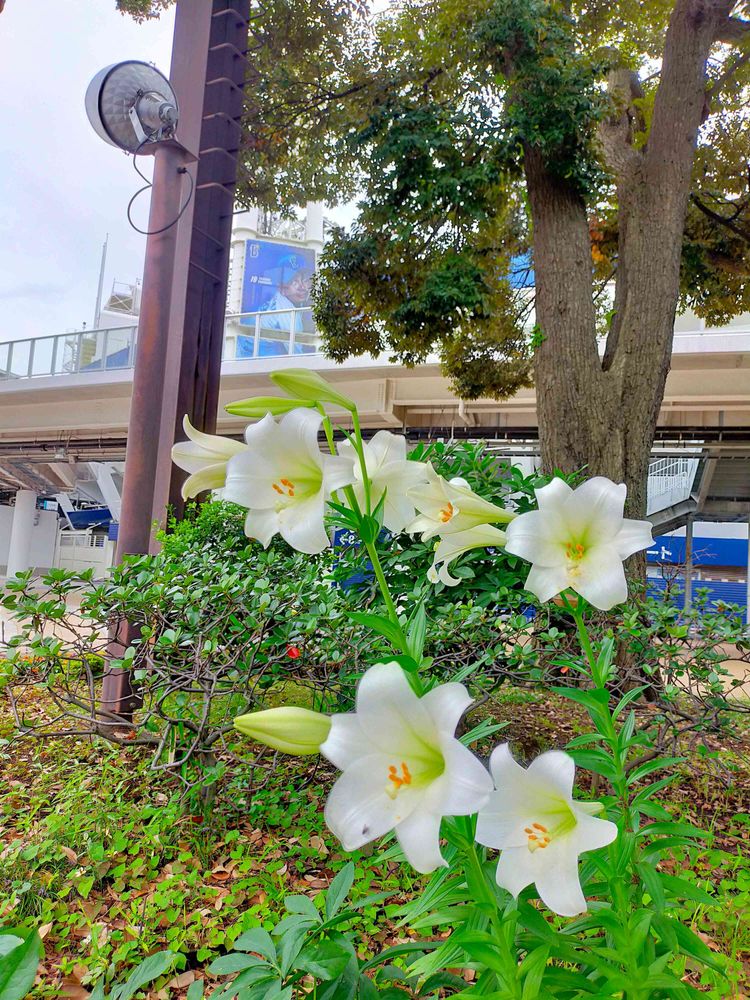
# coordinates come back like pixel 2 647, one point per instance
pixel 62 189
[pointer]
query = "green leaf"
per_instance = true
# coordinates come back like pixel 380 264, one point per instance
pixel 690 944
pixel 325 959
pixel 480 947
pixel 672 830
pixel 369 529
pixel 259 940
pixel 640 772
pixel 343 988
pixel 279 992
pixel 195 990
pixel 339 890
pixel 383 626
pixel 235 961
pixel 149 970
pixel 650 878
pixel 304 905
pixel 290 946
pixel 683 889
pixel 416 631
pixel 531 971
pixel 18 968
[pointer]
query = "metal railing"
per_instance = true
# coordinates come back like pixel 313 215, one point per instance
pixel 670 481
pixel 271 333
pixel 68 353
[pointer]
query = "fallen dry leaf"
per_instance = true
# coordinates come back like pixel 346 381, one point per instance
pixel 70 988
pixel 184 979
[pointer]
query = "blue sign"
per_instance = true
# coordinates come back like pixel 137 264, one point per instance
pixel 706 551
pixel 277 276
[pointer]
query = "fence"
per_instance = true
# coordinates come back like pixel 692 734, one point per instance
pixel 276 333
pixel 670 481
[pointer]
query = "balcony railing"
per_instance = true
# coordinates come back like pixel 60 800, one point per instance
pixel 274 333
pixel 670 481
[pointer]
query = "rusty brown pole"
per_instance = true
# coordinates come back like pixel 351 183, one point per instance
pixel 207 73
pixel 150 374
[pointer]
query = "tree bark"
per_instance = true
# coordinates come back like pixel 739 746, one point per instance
pixel 601 412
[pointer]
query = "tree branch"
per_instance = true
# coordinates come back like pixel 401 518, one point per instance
pixel 733 31
pixel 744 234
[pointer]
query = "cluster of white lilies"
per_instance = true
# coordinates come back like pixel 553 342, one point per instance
pixel 577 539
pixel 403 769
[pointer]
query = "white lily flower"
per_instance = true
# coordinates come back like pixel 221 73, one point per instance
pixel 403 769
pixel 541 831
pixel 205 457
pixel 389 472
pixel 578 539
pixel 447 506
pixel 454 545
pixel 284 480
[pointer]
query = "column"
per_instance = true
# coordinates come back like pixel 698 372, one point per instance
pixel 314 225
pixel 19 550
pixel 689 564
pixel 747 571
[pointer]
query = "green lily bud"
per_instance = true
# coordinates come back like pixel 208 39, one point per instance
pixel 309 385
pixel 297 731
pixel 259 406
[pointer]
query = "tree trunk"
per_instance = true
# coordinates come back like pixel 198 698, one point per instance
pixel 601 412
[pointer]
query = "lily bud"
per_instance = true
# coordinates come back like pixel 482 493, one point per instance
pixel 259 406
pixel 292 730
pixel 309 385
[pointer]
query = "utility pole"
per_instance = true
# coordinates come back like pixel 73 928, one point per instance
pixel 181 322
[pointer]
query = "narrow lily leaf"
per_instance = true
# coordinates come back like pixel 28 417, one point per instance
pixel 383 626
pixel 649 766
pixel 339 890
pixel 416 631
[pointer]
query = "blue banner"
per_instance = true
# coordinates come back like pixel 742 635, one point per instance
pixel 706 551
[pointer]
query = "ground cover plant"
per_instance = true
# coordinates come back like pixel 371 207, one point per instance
pixel 631 920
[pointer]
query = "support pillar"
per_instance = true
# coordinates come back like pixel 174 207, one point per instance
pixel 689 564
pixel 19 550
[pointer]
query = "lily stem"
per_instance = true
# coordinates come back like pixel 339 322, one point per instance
pixel 382 582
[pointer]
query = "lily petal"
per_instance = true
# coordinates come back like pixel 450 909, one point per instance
pixel 302 525
pixel 359 809
pixel 632 537
pixel 346 741
pixel 391 715
pixel 463 787
pixel 537 537
pixel 601 578
pixel 546 582
pixel 419 837
pixel 558 882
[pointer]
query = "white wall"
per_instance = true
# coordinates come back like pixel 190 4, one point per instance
pixel 715 529
pixel 43 538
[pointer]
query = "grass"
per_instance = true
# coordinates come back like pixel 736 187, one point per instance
pixel 99 852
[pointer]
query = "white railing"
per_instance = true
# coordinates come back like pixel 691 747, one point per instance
pixel 670 481
pixel 69 353
pixel 272 333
